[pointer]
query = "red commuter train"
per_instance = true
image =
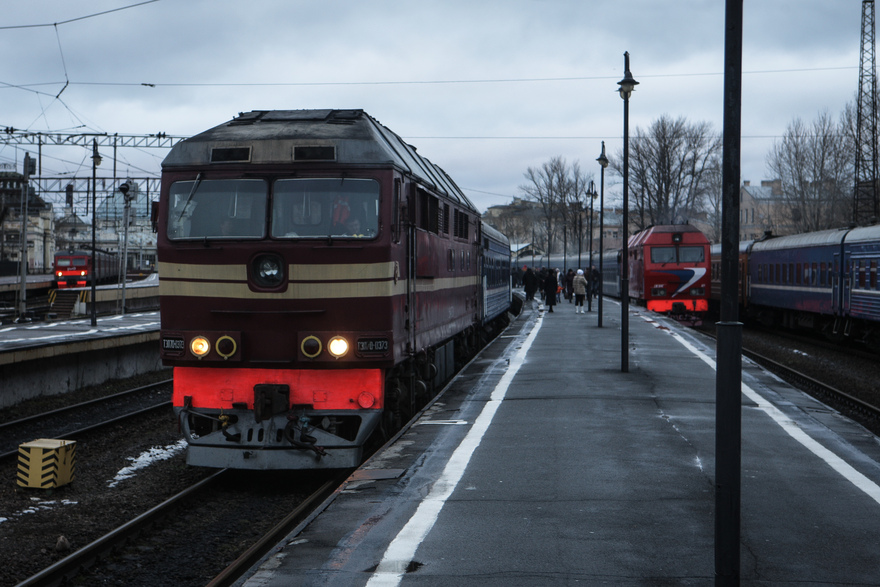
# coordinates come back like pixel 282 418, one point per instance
pixel 73 268
pixel 319 280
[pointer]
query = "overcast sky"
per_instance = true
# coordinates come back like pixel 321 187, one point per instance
pixel 483 88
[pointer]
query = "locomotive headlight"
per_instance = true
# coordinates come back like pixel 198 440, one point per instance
pixel 658 292
pixel 200 346
pixel 226 346
pixel 83 273
pixel 697 291
pixel 311 346
pixel 337 346
pixel 268 270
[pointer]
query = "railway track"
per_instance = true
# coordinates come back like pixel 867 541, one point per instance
pixel 94 562
pixel 858 400
pixel 70 422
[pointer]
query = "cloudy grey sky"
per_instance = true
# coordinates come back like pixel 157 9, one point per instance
pixel 483 88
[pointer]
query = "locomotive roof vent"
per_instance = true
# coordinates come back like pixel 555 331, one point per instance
pixel 314 153
pixel 230 154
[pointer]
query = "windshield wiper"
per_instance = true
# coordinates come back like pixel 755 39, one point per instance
pixel 192 192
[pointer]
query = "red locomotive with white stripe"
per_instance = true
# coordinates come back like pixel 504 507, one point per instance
pixel 318 279
pixel 669 270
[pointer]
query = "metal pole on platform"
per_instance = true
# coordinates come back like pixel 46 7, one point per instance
pixel 23 258
pixel 96 160
pixel 591 193
pixel 728 374
pixel 124 188
pixel 603 163
pixel 627 85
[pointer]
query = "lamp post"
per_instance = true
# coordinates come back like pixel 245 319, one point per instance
pixel 603 163
pixel 627 85
pixel 96 160
pixel 591 193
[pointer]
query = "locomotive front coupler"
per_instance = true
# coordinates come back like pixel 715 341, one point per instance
pixel 305 440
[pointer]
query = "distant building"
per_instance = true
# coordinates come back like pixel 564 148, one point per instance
pixel 762 209
pixel 39 228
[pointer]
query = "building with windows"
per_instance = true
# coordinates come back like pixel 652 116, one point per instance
pixel 39 227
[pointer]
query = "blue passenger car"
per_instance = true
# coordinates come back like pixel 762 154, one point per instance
pixel 495 273
pixel 860 294
pixel 793 280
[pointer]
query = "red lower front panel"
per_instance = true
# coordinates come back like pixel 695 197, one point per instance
pixel 343 389
pixel 667 305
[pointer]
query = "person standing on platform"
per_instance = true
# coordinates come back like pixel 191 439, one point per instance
pixel 595 280
pixel 579 285
pixel 530 283
pixel 569 279
pixel 551 288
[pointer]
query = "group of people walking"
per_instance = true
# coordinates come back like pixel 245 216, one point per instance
pixel 575 286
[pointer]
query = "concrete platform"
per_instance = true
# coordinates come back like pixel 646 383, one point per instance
pixel 544 464
pixel 49 358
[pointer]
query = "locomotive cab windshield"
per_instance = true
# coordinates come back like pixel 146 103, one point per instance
pixel 300 208
pixel 678 254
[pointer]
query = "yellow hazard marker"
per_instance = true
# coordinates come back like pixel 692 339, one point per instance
pixel 46 463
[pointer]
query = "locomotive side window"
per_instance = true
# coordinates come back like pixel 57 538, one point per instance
pixel 318 208
pixel 229 208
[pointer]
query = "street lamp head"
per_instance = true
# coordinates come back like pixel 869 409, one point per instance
pixel 602 159
pixel 96 157
pixel 627 84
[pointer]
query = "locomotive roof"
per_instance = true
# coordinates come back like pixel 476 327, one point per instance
pixel 340 137
pixel 645 234
pixel 823 237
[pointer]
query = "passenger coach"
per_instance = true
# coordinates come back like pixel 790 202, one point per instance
pixel 319 280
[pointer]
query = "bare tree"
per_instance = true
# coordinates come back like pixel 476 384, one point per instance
pixel 675 170
pixel 548 186
pixel 815 166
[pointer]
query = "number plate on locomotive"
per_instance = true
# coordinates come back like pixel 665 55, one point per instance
pixel 375 346
pixel 173 346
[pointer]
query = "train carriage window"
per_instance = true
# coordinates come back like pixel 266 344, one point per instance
pixel 450 260
pixel 798 275
pixel 217 209
pixel 823 274
pixel 872 268
pixel 861 272
pixel 814 275
pixel 324 207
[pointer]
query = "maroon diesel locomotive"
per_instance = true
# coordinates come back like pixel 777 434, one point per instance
pixel 318 279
